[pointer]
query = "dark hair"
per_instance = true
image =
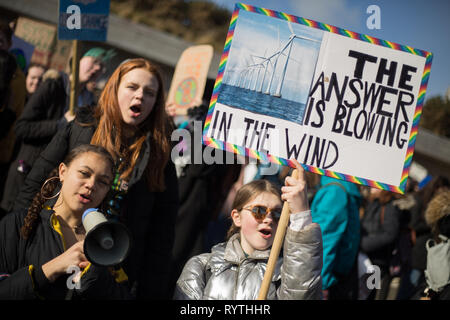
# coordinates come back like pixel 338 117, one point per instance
pixel 436 183
pixel 35 64
pixel 6 30
pixel 49 188
pixel 383 196
pixel 247 193
pixel 8 66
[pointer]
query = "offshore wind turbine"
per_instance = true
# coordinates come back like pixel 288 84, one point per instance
pixel 230 76
pixel 260 66
pixel 242 78
pixel 276 55
pixel 267 62
pixel 289 44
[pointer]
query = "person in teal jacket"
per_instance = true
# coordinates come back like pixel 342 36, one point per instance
pixel 335 207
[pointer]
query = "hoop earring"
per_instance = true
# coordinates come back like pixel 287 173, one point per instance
pixel 42 189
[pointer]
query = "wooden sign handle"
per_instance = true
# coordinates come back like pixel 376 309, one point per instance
pixel 74 79
pixel 276 247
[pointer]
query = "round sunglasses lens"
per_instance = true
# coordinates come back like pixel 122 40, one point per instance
pixel 276 214
pixel 258 213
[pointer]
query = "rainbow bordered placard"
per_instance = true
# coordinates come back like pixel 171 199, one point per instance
pixel 332 29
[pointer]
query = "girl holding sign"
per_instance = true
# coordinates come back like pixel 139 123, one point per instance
pixel 131 123
pixel 235 269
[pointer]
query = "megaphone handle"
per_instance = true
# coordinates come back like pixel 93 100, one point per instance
pixel 69 294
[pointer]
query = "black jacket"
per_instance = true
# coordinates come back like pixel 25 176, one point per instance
pixel 39 122
pixel 150 216
pixel 379 235
pixel 42 114
pixel 21 275
pixel 203 190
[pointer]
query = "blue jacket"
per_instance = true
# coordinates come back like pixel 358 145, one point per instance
pixel 337 212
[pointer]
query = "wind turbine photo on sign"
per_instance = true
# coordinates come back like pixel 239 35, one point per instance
pixel 288 47
pixel 270 67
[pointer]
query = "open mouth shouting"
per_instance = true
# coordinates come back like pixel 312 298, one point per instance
pixel 265 232
pixel 136 110
pixel 84 198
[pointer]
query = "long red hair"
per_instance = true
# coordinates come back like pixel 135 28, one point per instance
pixel 110 129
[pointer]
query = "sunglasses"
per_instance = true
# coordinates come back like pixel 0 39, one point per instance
pixel 260 212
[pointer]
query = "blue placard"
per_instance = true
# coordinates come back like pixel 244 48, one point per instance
pixel 83 20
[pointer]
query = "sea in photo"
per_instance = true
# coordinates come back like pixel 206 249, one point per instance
pixel 261 103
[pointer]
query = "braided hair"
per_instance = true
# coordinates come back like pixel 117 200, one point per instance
pixel 51 185
pixel 38 203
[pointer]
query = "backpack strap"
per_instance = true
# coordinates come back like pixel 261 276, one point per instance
pixel 340 186
pixel 335 184
pixel 430 242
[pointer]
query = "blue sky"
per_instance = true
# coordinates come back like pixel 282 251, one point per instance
pixel 418 23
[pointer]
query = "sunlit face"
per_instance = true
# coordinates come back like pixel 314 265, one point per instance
pixel 34 78
pixel 90 69
pixel 85 182
pixel 137 95
pixel 257 235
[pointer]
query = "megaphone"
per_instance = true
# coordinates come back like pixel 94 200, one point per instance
pixel 107 242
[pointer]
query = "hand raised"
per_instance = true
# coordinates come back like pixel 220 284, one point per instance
pixel 295 191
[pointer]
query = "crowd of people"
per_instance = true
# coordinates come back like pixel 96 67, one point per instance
pixel 199 231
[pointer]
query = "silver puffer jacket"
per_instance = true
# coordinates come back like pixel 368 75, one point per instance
pixel 226 274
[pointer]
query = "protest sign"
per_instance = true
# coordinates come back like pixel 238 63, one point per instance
pixel 61 55
pixel 343 104
pixel 40 35
pixel 83 20
pixel 189 78
pixel 23 51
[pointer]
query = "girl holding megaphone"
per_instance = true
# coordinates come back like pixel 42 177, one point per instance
pixel 42 248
